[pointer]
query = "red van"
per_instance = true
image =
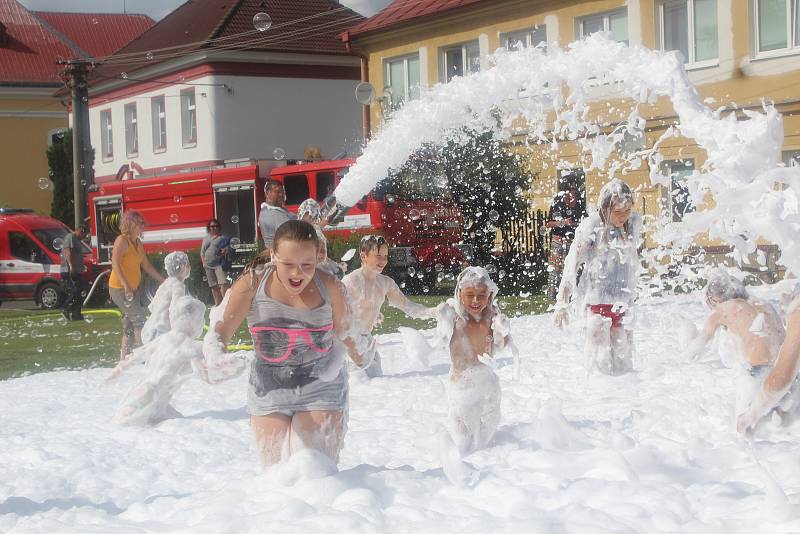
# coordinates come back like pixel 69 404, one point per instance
pixel 30 257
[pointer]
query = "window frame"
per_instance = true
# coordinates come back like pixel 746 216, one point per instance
pixel 106 135
pixel 691 62
pixel 132 126
pixel 387 78
pixel 465 66
pixel 792 45
pixel 667 167
pixel 192 110
pixel 505 36
pixel 157 148
pixel 606 16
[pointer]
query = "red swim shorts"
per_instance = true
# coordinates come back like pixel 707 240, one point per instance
pixel 606 311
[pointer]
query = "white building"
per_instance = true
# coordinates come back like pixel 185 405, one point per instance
pixel 203 86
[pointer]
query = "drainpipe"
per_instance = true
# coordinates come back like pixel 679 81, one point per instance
pixel 365 119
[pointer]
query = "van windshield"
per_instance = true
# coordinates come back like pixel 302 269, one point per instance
pixel 49 236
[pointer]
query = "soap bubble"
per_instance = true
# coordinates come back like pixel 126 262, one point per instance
pixel 413 214
pixel 262 23
pixel 235 219
pixel 425 289
pixel 173 218
pixel 75 336
pixel 491 269
pixel 390 199
pixel 4 331
pixel 149 56
pixel 438 267
pixel 235 241
pixel 44 183
pixel 178 198
pixel 279 153
pixel 411 271
pixel 124 75
pixel 62 321
pixel 494 216
pixel 88 318
pixel 58 243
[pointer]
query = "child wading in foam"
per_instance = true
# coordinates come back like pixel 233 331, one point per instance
pixel 367 289
pixel 779 391
pixel 178 269
pixel 298 386
pixel 606 244
pixel 172 358
pixel 475 331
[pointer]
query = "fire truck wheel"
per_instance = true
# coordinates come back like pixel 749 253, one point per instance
pixel 49 296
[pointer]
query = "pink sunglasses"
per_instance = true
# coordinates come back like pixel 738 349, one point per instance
pixel 292 334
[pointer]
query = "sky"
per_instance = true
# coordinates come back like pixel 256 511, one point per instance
pixel 157 9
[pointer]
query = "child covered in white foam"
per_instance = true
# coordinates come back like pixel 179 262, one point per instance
pixel 367 290
pixel 309 211
pixel 178 269
pixel 172 358
pixel 779 391
pixel 475 331
pixel 606 244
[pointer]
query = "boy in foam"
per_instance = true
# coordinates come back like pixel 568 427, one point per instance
pixel 474 330
pixel 606 243
pixel 367 290
pixel 779 391
pixel 178 269
pixel 171 359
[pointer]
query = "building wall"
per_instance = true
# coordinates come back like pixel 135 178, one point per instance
pixel 249 117
pixel 25 123
pixel 739 77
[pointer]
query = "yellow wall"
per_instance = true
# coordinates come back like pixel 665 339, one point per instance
pixel 738 78
pixel 24 127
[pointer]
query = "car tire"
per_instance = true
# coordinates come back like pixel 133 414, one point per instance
pixel 50 296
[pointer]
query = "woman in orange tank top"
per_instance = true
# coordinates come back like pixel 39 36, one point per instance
pixel 125 283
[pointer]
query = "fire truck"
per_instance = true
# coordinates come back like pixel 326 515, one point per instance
pixel 421 223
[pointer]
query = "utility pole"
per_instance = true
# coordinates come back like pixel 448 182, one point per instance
pixel 82 164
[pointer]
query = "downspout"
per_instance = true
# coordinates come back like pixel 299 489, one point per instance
pixel 365 119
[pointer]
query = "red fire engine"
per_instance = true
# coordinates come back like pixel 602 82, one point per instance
pixel 423 226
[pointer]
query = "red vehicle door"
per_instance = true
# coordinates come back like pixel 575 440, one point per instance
pixel 25 265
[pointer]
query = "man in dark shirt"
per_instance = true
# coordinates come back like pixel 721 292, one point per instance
pixel 565 215
pixel 72 268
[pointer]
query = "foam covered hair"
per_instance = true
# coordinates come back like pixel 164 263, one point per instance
pixel 722 286
pixel 174 262
pixel 470 277
pixel 613 193
pixel 309 207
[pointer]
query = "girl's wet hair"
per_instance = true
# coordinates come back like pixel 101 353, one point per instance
pixel 614 193
pixel 293 230
pixel 722 287
pixel 370 242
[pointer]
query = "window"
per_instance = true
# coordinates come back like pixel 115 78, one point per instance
pixel 524 38
pixel 296 187
pixel 402 80
pixel 614 22
pixel 188 118
pixel 690 26
pixel 778 24
pixel 24 248
pixel 678 202
pixel 158 112
pixel 325 184
pixel 235 208
pixel 791 158
pixel 131 130
pixel 56 136
pixel 49 237
pixel 106 135
pixel 460 60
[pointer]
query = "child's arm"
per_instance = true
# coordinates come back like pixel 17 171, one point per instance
pixel 501 334
pixel 698 344
pixel 578 253
pixel 397 299
pixel 358 346
pixel 779 380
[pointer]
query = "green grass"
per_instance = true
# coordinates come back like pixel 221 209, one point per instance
pixel 37 341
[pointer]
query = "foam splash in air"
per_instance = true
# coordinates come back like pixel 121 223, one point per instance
pixel 740 173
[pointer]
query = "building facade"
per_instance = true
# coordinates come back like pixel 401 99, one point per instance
pixel 737 52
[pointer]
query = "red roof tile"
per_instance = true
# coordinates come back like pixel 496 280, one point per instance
pixel 30 53
pixel 307 26
pixel 403 11
pixel 97 34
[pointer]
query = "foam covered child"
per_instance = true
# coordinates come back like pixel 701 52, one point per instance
pixel 176 264
pixel 171 359
pixel 474 331
pixel 606 245
pixel 368 289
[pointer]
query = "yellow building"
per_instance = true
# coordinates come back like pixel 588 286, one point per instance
pixel 31 118
pixel 736 51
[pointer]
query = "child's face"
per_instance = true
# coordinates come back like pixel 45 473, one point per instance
pixel 376 259
pixel 295 263
pixel 619 214
pixel 475 298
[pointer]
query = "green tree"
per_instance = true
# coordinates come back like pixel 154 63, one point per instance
pixel 59 161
